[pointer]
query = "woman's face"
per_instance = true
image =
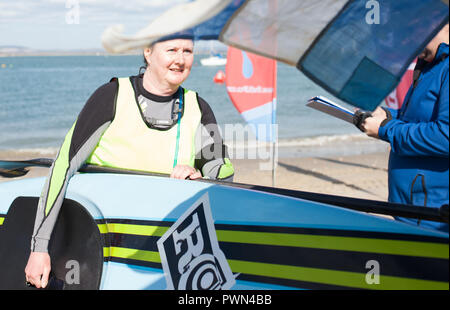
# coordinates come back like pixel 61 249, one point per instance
pixel 430 50
pixel 170 62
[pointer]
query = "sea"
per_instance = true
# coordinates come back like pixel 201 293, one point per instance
pixel 41 96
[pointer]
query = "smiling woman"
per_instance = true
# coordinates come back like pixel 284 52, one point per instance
pixel 147 122
pixel 169 64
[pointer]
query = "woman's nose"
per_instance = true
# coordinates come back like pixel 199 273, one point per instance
pixel 179 58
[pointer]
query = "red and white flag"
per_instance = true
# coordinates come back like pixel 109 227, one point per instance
pixel 396 97
pixel 251 82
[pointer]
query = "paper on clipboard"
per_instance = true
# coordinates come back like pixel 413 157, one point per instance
pixel 325 105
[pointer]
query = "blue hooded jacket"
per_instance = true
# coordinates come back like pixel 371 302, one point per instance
pixel 419 139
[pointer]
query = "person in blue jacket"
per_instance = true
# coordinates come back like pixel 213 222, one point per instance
pixel 418 134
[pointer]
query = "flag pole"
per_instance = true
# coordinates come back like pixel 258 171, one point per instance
pixel 273 162
pixel 274 137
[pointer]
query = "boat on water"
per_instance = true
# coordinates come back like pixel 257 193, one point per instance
pixel 128 231
pixel 214 60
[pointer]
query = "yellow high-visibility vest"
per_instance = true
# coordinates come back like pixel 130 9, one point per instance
pixel 129 143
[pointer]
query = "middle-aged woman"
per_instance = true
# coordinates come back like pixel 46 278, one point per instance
pixel 146 122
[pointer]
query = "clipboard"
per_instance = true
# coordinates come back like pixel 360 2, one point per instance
pixel 327 106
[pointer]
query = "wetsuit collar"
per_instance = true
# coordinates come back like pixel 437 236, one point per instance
pixel 153 97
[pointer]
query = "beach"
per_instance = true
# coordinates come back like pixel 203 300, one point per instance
pixel 360 175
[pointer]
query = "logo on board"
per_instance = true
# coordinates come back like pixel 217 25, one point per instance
pixel 190 253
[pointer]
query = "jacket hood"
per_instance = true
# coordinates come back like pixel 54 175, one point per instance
pixel 442 50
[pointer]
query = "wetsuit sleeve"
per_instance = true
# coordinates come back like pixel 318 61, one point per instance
pixel 78 144
pixel 423 138
pixel 211 157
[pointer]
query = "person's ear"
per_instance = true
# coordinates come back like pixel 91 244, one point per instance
pixel 147 53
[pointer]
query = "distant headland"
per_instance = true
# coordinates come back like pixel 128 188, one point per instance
pixel 201 47
pixel 15 50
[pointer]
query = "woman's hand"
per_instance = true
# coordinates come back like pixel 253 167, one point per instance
pixel 371 125
pixel 184 171
pixel 379 113
pixel 38 269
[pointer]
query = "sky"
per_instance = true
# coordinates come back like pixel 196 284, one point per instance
pixel 73 24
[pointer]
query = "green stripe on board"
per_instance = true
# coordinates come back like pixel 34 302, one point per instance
pixel 332 277
pixel 368 245
pixel 382 246
pixel 148 256
pixel 142 230
pixel 102 228
pixel 106 252
pixel 2 219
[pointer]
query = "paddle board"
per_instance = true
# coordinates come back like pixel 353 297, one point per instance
pixel 145 232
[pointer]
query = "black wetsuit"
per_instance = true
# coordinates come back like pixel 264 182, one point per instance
pixel 92 122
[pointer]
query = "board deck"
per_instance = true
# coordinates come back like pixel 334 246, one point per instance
pixel 268 241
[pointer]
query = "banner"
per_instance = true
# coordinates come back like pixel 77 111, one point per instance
pixel 251 84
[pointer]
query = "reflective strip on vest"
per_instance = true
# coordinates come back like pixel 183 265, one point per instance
pixel 129 143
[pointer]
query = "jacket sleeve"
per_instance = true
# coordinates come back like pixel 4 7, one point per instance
pixel 211 157
pixel 422 138
pixel 79 142
pixel 392 113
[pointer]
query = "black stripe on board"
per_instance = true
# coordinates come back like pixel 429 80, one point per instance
pixel 390 265
pixel 332 232
pixel 296 230
pixel 244 277
pixel 135 222
pixel 145 243
pixel 136 262
pixel 393 265
pixel 292 283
